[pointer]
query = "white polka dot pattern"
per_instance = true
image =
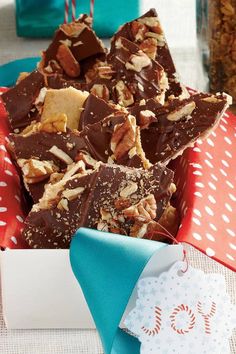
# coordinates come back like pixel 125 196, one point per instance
pixel 209 194
pixel 11 213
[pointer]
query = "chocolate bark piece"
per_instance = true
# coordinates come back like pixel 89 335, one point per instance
pixel 103 199
pixel 147 33
pixel 115 139
pixel 128 76
pixel 72 43
pixel 42 153
pixel 179 124
pixel 94 110
pixel 19 101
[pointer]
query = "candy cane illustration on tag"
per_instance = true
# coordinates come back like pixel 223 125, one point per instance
pixel 190 305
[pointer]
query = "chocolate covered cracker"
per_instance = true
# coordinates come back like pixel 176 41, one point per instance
pixel 169 130
pixel 128 76
pixel 110 198
pixel 147 33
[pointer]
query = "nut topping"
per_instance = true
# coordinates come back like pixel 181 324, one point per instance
pixel 146 117
pixel 182 112
pixel 138 61
pixel 122 203
pixel 125 97
pixel 35 171
pixel 105 72
pixel 72 29
pixel 61 155
pixel 124 137
pixel 130 189
pixel 149 47
pixel 100 91
pixel 144 211
pixel 71 194
pixel 138 30
pixel 68 61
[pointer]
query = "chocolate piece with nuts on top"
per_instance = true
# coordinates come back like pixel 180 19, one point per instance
pixel 111 198
pixel 115 139
pixel 72 43
pixel 176 126
pixel 128 76
pixel 19 101
pixel 147 33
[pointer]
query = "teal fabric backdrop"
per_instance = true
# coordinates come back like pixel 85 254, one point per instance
pixel 37 18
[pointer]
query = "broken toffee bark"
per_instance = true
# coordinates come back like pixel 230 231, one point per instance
pixel 110 197
pixel 128 76
pixel 167 131
pixel 147 33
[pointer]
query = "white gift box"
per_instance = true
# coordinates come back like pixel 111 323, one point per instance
pixel 39 289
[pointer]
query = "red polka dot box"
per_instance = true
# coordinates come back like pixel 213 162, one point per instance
pixel 206 194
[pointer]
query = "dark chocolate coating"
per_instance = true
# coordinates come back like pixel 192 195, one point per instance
pixel 19 100
pixel 94 110
pixel 163 55
pixel 53 228
pixel 164 138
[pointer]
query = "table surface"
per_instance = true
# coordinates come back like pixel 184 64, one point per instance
pixel 184 50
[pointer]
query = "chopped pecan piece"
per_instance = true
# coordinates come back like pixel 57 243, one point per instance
pixel 55 124
pixel 68 61
pixel 149 47
pixel 125 97
pixel 100 91
pixel 35 171
pixel 182 112
pixel 138 30
pixel 123 137
pixel 138 61
pixel 122 203
pixel 144 211
pixel 146 117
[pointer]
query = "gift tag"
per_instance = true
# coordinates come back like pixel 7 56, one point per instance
pixel 182 312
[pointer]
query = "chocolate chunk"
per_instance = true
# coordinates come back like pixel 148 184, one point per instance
pixel 19 101
pixel 179 124
pixel 128 76
pixel 111 198
pixel 147 33
pixel 94 110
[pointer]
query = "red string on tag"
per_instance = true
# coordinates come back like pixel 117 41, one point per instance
pixel 91 9
pixel 66 14
pixel 168 235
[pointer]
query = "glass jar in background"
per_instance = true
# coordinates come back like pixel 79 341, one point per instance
pixel 216 29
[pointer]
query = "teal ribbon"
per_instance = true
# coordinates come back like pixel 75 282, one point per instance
pixel 10 71
pixel 108 266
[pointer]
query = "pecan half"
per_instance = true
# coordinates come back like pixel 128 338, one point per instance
pixel 68 61
pixel 144 211
pixel 123 137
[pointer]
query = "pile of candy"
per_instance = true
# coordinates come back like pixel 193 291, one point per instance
pixel 94 131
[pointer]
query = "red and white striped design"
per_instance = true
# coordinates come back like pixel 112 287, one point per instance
pixel 156 329
pixel 192 319
pixel 66 14
pixel 73 9
pixel 91 8
pixel 207 316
